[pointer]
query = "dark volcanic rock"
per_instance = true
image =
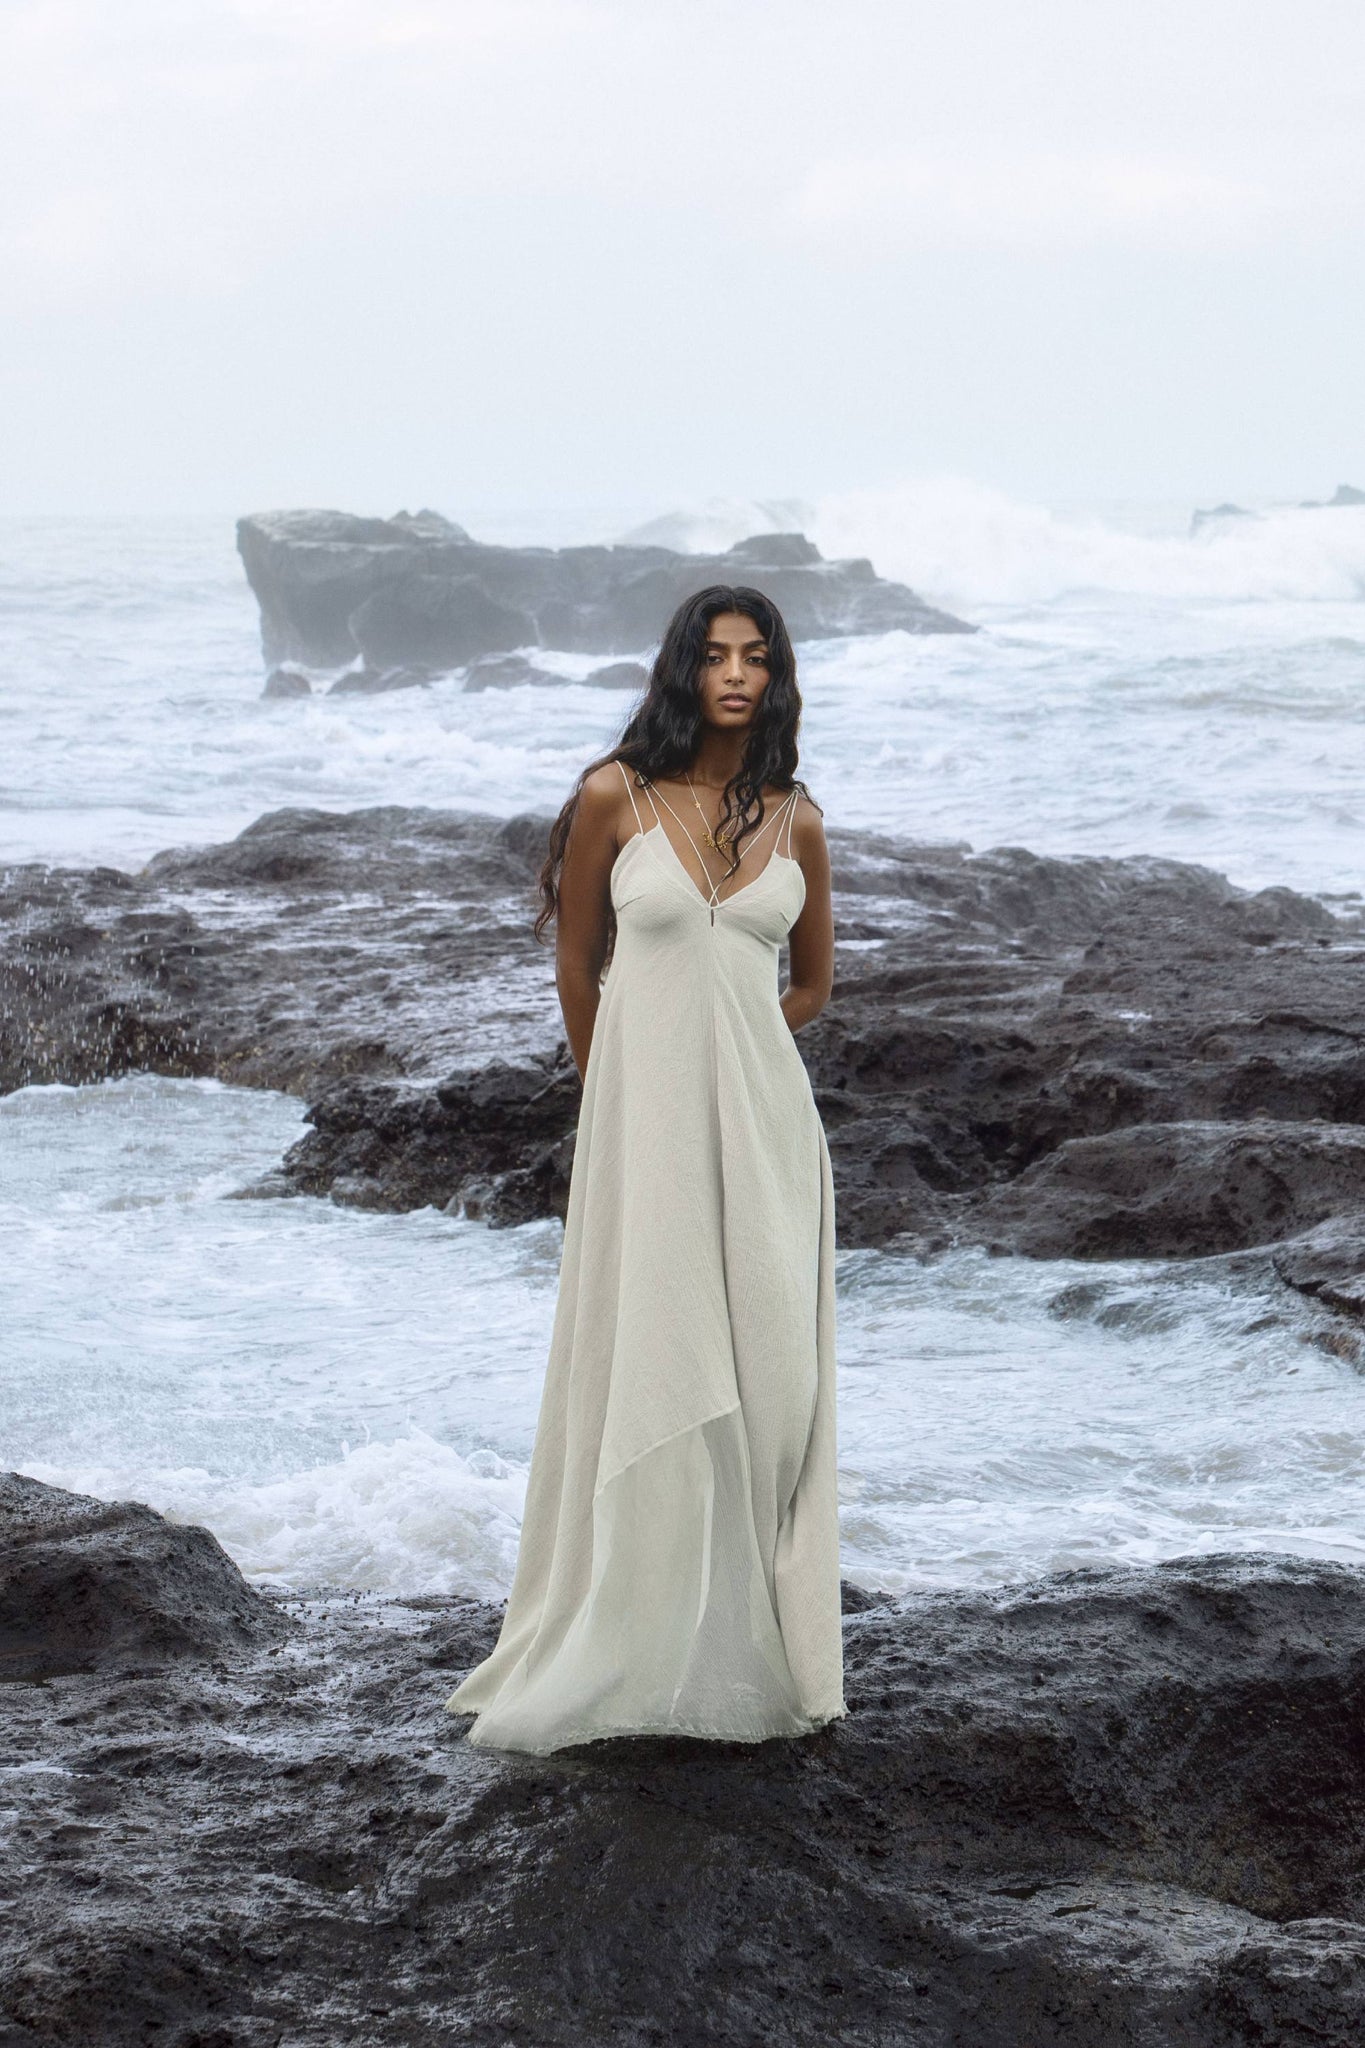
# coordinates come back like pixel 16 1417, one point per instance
pixel 1328 1263
pixel 376 682
pixel 1174 1066
pixel 1105 1807
pixel 405 592
pixel 85 1586
pixel 619 675
pixel 287 681
pixel 314 946
pixel 493 1141
pixel 440 618
pixel 1175 1190
pixel 1009 1006
pixel 507 672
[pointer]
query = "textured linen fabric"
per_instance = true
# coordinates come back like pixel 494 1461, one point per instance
pixel 678 1570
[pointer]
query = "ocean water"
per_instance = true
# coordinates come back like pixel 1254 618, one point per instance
pixel 286 1372
pixel 289 1373
pixel 1130 691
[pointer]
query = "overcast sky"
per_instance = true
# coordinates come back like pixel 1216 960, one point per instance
pixel 377 252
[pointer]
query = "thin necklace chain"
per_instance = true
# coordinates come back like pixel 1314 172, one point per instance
pixel 720 843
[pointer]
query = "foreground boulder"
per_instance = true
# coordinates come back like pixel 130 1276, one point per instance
pixel 418 592
pixel 86 1586
pixel 1107 1806
pixel 494 1141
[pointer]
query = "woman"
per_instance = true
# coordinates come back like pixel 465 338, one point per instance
pixel 679 1561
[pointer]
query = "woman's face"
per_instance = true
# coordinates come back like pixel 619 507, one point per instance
pixel 734 672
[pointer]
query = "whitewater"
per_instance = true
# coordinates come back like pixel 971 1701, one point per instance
pixel 350 1399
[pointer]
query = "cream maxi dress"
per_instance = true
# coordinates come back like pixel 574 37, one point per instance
pixel 678 1570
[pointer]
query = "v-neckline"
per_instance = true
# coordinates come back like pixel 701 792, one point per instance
pixel 687 881
pixel 713 901
pixel 718 902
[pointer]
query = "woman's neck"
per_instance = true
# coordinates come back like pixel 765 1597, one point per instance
pixel 717 758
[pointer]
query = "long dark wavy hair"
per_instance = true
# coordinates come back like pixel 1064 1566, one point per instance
pixel 663 731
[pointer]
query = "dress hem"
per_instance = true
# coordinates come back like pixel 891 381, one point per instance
pixel 811 1726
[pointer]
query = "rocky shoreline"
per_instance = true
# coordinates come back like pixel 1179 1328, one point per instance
pixel 1083 1057
pixel 1106 1807
pixel 1103 1807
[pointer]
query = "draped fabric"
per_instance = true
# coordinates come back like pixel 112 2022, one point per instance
pixel 678 1570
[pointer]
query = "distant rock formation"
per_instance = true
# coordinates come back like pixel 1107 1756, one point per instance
pixel 508 672
pixel 1344 494
pixel 619 675
pixel 514 672
pixel 372 682
pixel 1220 515
pixel 415 592
pixel 287 681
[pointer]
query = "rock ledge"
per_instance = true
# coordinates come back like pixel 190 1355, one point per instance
pixel 1104 1807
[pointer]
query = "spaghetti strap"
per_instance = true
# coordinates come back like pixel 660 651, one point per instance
pixel 631 794
pixel 712 896
pixel 792 802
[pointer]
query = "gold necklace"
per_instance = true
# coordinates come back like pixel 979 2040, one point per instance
pixel 722 843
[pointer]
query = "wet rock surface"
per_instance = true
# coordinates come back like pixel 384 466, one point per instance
pixel 313 946
pixel 1328 1263
pixel 1069 1057
pixel 1062 1057
pixel 287 681
pixel 1105 1807
pixel 508 672
pixel 515 671
pixel 417 591
pixel 377 682
pixel 619 675
pixel 1153 1190
pixel 85 1585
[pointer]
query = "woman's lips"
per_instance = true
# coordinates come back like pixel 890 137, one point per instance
pixel 739 703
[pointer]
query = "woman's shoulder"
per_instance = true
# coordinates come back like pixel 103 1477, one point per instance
pixel 606 785
pixel 807 829
pixel 608 779
pixel 803 804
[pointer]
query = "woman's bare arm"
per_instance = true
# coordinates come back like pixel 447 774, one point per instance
pixel 811 945
pixel 583 923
